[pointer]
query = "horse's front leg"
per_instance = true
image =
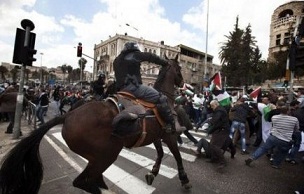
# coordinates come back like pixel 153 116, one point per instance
pixel 160 154
pixel 172 145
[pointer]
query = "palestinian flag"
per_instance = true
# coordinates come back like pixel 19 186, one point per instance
pixel 223 98
pixel 255 93
pixel 216 82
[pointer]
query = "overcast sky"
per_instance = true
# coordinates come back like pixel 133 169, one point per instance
pixel 61 24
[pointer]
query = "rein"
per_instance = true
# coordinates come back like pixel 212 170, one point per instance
pixel 160 80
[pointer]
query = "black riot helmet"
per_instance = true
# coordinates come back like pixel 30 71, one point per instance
pixel 130 46
pixel 101 75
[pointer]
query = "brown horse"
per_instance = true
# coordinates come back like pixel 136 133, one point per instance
pixel 87 131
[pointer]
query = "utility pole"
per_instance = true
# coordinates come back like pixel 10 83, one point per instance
pixel 289 70
pixel 206 53
pixel 41 77
pixel 25 56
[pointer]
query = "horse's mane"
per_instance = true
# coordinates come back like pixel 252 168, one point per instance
pixel 160 78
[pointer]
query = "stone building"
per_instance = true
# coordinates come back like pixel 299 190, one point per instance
pixel 191 60
pixel 283 24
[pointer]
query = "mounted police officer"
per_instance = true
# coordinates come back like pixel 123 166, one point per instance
pixel 128 78
pixel 98 86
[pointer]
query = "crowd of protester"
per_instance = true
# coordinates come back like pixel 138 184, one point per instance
pixel 251 122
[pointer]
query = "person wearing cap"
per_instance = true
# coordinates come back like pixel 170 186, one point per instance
pixel 280 137
pixel 241 111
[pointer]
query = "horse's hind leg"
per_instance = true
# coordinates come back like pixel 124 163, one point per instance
pixel 172 145
pixel 160 154
pixel 86 182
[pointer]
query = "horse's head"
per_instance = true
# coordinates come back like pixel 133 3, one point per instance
pixel 175 69
pixel 168 77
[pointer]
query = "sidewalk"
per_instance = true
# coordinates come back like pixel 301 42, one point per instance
pixel 6 140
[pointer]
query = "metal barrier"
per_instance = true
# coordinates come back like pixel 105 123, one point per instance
pixel 30 114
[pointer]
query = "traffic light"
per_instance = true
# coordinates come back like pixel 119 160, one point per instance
pixel 24 55
pixel 30 50
pixel 79 50
pixel 19 46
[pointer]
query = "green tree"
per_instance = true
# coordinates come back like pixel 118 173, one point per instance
pixel 64 71
pixel 69 70
pixel 27 73
pixel 3 71
pixel 230 56
pixel 240 57
pixel 75 74
pixel 82 63
pixel 248 55
pixel 35 75
pixel 14 72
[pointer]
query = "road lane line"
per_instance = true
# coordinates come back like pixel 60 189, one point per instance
pixel 148 163
pixel 116 175
pixel 184 156
pixel 136 158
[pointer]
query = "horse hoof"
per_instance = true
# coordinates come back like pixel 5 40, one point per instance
pixel 149 178
pixel 187 186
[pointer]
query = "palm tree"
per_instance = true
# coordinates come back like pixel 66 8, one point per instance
pixel 45 75
pixel 69 70
pixel 27 73
pixel 35 75
pixel 64 70
pixel 3 71
pixel 82 62
pixel 14 73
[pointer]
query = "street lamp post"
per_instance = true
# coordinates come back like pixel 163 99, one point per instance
pixel 41 54
pixel 206 55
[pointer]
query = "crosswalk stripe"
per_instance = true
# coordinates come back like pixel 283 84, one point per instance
pixel 199 133
pixel 116 175
pixel 136 158
pixel 148 163
pixel 184 156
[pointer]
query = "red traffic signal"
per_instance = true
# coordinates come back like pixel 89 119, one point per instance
pixel 79 50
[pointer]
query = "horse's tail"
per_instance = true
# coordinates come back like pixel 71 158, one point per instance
pixel 22 169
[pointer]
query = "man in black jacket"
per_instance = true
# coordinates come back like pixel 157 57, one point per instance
pixel 99 86
pixel 297 135
pixel 43 103
pixel 128 78
pixel 241 111
pixel 219 129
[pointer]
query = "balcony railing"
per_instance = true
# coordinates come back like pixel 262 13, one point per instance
pixel 284 21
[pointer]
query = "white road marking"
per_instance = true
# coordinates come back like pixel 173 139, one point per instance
pixel 119 177
pixel 185 156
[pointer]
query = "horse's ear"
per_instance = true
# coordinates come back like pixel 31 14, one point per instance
pixel 166 57
pixel 176 57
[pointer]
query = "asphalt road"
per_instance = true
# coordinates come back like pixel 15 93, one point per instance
pixel 126 175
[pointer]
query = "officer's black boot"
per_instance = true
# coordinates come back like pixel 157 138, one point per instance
pixel 172 124
pixel 166 113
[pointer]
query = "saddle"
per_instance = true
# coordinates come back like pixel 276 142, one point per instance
pixel 124 100
pixel 132 115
